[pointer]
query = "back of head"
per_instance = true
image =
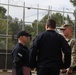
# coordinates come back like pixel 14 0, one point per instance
pixel 51 23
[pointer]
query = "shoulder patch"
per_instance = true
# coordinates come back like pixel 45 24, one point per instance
pixel 19 54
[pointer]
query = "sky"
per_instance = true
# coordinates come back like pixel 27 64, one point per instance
pixel 31 15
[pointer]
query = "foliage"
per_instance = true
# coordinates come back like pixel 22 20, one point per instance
pixel 59 18
pixel 14 26
pixel 2 12
pixel 74 2
pixel 34 26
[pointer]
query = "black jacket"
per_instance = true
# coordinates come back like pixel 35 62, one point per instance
pixel 47 49
pixel 20 56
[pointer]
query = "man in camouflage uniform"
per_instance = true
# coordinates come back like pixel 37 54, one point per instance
pixel 67 33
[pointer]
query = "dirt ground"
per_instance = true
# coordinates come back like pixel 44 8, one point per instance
pixel 5 73
pixel 8 73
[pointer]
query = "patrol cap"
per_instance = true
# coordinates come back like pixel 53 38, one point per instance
pixel 65 26
pixel 23 33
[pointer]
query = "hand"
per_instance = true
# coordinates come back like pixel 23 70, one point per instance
pixel 63 70
pixel 69 71
pixel 33 70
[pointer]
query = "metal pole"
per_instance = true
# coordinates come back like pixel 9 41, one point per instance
pixel 23 26
pixel 49 12
pixel 63 15
pixel 37 17
pixel 7 35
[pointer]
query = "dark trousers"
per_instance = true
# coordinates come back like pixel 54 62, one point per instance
pixel 48 71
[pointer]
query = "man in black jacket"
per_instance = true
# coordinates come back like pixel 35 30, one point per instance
pixel 20 55
pixel 46 51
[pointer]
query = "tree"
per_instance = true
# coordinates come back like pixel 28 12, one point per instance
pixel 34 26
pixel 74 2
pixel 69 20
pixel 14 26
pixel 2 12
pixel 2 22
pixel 59 18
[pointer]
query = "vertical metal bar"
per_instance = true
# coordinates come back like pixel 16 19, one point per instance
pixel 49 12
pixel 23 26
pixel 7 36
pixel 63 15
pixel 37 17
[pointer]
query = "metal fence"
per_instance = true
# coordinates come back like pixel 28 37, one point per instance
pixel 28 16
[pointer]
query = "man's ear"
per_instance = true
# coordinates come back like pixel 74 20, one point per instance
pixel 46 26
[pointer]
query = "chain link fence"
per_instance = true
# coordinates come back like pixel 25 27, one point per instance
pixel 27 18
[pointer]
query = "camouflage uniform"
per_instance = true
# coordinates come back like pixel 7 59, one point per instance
pixel 72 44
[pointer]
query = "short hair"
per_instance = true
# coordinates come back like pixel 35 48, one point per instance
pixel 51 23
